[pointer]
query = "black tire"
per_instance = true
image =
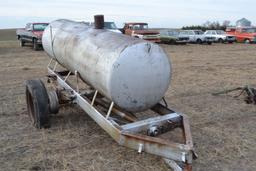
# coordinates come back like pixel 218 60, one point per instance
pixel 209 43
pixel 171 42
pixel 35 45
pixel 221 40
pixel 199 41
pixel 22 43
pixel 37 103
pixel 247 41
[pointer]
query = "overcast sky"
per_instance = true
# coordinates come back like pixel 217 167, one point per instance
pixel 158 13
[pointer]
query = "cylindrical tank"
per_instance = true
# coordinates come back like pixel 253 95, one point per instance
pixel 131 72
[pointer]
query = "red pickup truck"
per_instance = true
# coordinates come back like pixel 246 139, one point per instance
pixel 243 34
pixel 140 30
pixel 32 33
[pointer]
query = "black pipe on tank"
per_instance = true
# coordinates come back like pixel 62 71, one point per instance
pixel 99 21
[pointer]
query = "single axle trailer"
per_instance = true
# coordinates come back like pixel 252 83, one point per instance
pixel 143 135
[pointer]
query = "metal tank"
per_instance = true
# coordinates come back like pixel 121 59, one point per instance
pixel 131 72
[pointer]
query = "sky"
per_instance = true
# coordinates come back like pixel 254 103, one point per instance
pixel 158 13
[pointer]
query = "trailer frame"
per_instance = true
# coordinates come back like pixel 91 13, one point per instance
pixel 178 156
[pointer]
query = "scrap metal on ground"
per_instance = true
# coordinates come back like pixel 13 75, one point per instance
pixel 250 93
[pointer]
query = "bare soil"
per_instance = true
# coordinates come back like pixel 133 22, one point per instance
pixel 223 127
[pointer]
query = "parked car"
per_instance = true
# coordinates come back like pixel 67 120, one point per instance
pixel 243 34
pixel 197 36
pixel 32 33
pixel 173 37
pixel 109 25
pixel 220 36
pixel 140 30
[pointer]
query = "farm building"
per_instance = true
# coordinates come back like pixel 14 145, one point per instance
pixel 243 23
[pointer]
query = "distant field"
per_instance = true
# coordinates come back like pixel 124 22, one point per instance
pixel 7 34
pixel 223 127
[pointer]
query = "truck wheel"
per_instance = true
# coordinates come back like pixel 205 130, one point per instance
pixel 209 43
pixel 199 41
pixel 221 40
pixel 22 43
pixel 37 103
pixel 35 45
pixel 247 41
pixel 171 42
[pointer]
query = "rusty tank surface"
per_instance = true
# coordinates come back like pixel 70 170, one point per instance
pixel 132 73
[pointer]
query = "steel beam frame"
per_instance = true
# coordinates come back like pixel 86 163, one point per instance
pixel 129 135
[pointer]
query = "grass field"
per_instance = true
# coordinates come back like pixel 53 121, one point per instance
pixel 7 34
pixel 223 127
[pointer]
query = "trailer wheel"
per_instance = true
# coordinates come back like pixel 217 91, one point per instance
pixel 37 103
pixel 35 45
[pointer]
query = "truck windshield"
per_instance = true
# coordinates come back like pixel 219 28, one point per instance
pixel 173 33
pixel 140 27
pixel 220 32
pixel 110 25
pixel 199 32
pixel 40 27
pixel 250 30
pixel 184 33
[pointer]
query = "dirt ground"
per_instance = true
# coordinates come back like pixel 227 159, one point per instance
pixel 223 128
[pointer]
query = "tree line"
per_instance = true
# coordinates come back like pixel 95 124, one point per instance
pixel 208 25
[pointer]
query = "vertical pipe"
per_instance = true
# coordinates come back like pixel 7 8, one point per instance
pixel 99 21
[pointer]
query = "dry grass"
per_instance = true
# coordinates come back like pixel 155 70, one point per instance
pixel 223 128
pixel 7 34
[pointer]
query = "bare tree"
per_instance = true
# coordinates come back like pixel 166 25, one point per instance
pixel 226 23
pixel 207 24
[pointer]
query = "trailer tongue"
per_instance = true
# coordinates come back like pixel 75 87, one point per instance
pixel 123 76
